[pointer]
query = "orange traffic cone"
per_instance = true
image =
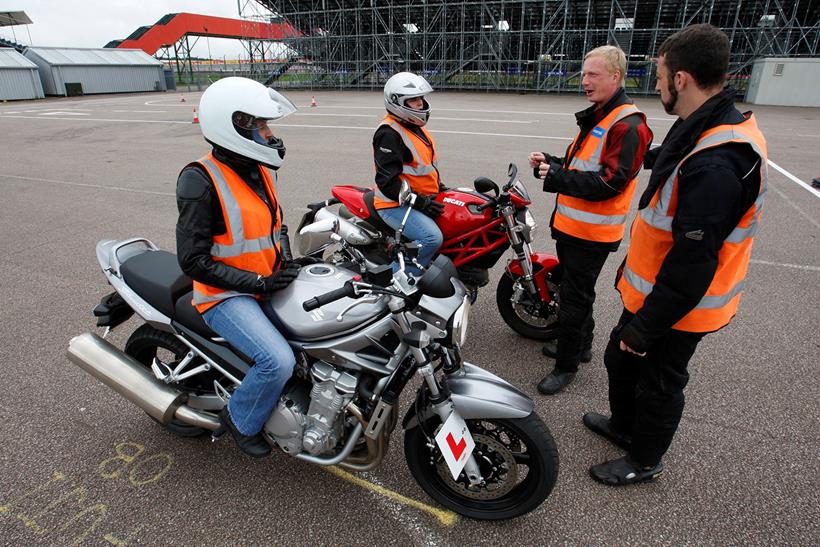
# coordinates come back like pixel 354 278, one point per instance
pixel 196 117
pixel 313 101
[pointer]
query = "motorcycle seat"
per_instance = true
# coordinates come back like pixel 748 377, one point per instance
pixel 185 313
pixel 157 278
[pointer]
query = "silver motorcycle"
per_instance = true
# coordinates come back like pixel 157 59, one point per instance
pixel 471 440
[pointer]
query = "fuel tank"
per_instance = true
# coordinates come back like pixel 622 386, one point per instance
pixel 297 324
pixel 461 213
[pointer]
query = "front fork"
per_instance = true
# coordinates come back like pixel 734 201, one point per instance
pixel 442 405
pixel 522 253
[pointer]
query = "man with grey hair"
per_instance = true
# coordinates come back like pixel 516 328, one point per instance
pixel 594 183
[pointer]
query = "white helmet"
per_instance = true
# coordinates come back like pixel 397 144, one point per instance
pixel 231 111
pixel 403 86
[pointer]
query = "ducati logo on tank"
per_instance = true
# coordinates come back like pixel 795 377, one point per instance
pixel 456 443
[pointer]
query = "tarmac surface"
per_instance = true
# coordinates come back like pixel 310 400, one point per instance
pixel 80 465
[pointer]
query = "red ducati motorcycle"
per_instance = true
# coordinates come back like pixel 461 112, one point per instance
pixel 478 227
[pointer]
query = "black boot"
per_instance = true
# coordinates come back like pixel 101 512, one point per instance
pixel 600 424
pixel 555 381
pixel 252 445
pixel 624 471
pixel 550 349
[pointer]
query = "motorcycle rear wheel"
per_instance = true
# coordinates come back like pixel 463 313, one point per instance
pixel 534 320
pixel 517 457
pixel 143 345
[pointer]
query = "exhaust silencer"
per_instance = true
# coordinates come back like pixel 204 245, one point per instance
pixel 133 381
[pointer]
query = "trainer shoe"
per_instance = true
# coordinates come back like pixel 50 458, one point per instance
pixel 600 424
pixel 550 349
pixel 622 471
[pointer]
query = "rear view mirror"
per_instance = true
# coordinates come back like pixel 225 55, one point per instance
pixel 484 185
pixel 405 194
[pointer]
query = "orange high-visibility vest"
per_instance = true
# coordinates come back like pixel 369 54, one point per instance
pixel 421 174
pixel 599 221
pixel 652 240
pixel 251 240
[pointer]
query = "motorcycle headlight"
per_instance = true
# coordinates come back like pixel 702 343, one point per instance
pixel 460 320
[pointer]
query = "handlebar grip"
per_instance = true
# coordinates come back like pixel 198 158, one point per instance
pixel 346 291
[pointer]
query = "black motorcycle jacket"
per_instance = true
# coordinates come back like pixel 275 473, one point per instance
pixel 715 188
pixel 390 154
pixel 200 219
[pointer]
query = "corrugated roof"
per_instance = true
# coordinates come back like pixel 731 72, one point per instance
pixel 9 58
pixel 79 56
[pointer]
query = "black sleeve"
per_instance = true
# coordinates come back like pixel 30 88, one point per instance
pixel 200 218
pixel 713 193
pixel 388 154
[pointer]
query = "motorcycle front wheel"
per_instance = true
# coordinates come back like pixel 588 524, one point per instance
pixel 518 460
pixel 531 319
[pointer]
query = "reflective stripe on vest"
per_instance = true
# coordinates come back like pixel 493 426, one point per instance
pixel 652 240
pixel 599 221
pixel 257 251
pixel 422 176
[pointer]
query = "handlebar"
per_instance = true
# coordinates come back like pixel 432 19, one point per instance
pixel 346 291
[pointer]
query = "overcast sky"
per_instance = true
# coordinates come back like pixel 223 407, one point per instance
pixel 93 23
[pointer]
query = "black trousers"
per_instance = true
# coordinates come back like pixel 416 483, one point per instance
pixel 581 268
pixel 646 393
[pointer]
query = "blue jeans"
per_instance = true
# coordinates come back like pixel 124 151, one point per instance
pixel 243 322
pixel 419 228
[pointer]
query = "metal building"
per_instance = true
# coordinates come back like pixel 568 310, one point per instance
pixel 19 78
pixel 70 71
pixel 522 45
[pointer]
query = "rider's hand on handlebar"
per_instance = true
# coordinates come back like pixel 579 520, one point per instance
pixel 280 279
pixel 428 206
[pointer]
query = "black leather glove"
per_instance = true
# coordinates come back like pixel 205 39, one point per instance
pixel 279 279
pixel 428 206
pixel 303 261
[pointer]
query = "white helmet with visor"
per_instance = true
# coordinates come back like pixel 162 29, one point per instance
pixel 403 86
pixel 234 114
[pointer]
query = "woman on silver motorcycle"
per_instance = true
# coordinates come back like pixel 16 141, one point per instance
pixel 228 235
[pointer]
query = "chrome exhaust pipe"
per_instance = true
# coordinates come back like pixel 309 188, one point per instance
pixel 133 381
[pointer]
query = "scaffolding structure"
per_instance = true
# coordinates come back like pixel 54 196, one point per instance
pixel 523 45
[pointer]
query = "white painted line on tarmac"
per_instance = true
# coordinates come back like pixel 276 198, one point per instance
pixel 788 175
pixel 374 117
pixel 431 131
pixel 142 111
pixel 437 109
pixel 447 518
pixel 98 120
pixel 86 185
pixel 501 135
pixel 787 265
pixel 63 113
